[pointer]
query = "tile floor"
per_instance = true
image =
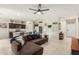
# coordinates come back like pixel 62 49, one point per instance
pixel 57 47
pixel 52 47
pixel 5 47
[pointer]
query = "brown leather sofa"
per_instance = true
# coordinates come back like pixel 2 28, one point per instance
pixel 31 46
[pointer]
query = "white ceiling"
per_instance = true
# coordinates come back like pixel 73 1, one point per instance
pixel 21 11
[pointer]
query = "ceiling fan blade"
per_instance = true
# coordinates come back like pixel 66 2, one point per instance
pixel 45 10
pixel 35 12
pixel 39 6
pixel 32 9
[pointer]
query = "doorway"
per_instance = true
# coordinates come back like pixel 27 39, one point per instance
pixel 71 28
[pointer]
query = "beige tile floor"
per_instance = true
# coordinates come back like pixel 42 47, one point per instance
pixel 57 47
pixel 5 47
pixel 53 47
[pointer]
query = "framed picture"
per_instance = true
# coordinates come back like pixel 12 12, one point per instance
pixel 3 25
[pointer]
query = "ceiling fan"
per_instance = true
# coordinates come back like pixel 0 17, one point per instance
pixel 39 10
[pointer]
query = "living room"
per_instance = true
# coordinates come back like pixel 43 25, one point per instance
pixel 47 29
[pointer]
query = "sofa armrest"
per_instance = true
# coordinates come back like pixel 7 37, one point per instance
pixel 15 46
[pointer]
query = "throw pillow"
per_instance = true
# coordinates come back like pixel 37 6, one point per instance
pixel 20 39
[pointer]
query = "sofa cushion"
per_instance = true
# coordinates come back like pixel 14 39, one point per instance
pixel 33 37
pixel 39 41
pixel 31 48
pixel 29 37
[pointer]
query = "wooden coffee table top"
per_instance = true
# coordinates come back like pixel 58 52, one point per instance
pixel 75 44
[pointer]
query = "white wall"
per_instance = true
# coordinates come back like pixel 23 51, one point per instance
pixel 53 31
pixel 4 32
pixel 29 26
pixel 63 26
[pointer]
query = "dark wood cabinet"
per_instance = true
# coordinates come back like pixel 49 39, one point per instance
pixel 14 26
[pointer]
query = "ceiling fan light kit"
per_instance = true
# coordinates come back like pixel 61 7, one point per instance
pixel 39 10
